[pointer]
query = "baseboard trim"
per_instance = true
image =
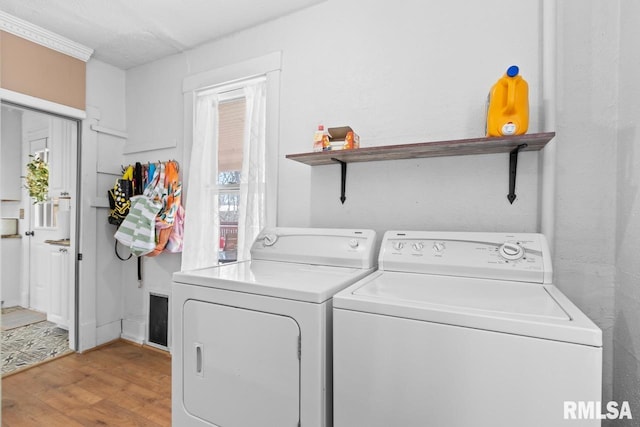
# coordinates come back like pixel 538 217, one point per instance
pixel 146 347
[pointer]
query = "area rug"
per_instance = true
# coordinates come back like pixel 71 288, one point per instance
pixel 29 345
pixel 16 317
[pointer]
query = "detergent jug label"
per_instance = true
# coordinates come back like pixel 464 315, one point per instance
pixel 509 128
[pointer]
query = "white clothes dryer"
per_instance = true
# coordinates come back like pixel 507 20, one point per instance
pixel 460 330
pixel 252 340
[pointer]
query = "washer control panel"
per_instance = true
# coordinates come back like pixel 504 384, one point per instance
pixel 521 257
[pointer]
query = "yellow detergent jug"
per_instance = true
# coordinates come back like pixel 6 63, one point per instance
pixel 508 105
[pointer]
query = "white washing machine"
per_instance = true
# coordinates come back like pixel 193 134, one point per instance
pixel 462 330
pixel 252 340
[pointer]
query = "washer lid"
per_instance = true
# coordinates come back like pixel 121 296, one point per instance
pixel 492 296
pixel 534 310
pixel 301 282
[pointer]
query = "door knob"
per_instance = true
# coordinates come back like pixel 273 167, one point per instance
pixel 28 233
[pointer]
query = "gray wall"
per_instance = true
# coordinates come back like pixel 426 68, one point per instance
pixel 626 339
pixel 584 259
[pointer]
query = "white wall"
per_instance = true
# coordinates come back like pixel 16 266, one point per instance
pixel 417 73
pixel 626 367
pixel 396 74
pixel 155 117
pixel 413 72
pixel 101 272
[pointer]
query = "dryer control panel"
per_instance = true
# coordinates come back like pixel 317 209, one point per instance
pixel 522 257
pixel 322 246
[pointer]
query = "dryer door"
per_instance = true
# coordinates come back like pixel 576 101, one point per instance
pixel 241 367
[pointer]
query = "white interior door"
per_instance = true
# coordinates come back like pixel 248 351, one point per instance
pixel 241 367
pixel 49 271
pixel 41 227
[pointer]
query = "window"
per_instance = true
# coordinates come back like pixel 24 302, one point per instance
pixel 230 192
pixel 231 125
pixel 233 146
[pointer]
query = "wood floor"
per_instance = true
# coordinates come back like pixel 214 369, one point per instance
pixel 120 384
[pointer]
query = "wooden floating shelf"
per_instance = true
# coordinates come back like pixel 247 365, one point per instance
pixel 459 147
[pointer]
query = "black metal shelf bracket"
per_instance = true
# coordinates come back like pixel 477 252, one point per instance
pixel 343 179
pixel 513 167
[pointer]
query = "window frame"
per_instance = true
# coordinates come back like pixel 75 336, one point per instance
pixel 268 67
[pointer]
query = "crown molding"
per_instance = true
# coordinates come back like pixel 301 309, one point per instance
pixel 46 38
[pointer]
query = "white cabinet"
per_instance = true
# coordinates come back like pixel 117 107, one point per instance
pixel 59 286
pixel 39 290
pixel 10 271
pixel 10 144
pixel 60 145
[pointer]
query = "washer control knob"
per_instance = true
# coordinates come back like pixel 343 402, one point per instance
pixel 511 251
pixel 398 245
pixel 438 247
pixel 418 246
pixel 353 243
pixel 270 239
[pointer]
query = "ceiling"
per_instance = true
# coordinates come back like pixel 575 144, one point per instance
pixel 127 33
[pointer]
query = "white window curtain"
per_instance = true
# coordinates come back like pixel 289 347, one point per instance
pixel 252 215
pixel 201 231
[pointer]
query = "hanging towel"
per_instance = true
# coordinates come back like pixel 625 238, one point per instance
pixel 170 203
pixel 137 231
pixel 138 180
pixel 177 232
pixel 151 171
pixel 119 198
pixel 173 194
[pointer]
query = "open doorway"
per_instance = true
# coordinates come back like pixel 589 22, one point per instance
pixel 39 199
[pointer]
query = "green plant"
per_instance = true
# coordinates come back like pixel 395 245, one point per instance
pixel 37 179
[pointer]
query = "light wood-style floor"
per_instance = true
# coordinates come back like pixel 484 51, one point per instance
pixel 120 384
